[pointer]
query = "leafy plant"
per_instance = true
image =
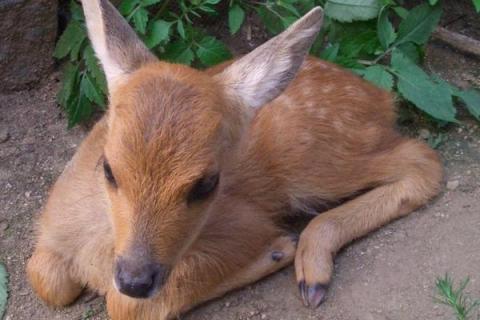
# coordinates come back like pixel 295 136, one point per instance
pixel 3 290
pixel 380 40
pixel 462 305
pixel 389 57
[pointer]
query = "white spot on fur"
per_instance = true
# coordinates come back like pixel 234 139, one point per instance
pixel 286 101
pixel 327 88
pixel 338 125
pixel 311 104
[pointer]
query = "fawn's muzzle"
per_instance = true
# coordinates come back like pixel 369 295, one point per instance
pixel 139 279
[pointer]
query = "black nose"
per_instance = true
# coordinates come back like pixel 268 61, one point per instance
pixel 138 280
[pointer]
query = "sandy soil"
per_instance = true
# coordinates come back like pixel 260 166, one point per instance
pixel 387 275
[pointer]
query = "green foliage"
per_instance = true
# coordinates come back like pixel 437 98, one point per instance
pixel 358 34
pixel 389 56
pixel 471 99
pixel 419 24
pixel 352 10
pixel 417 87
pixel 380 76
pixel 3 290
pixel 476 3
pixel 463 307
pixel 236 16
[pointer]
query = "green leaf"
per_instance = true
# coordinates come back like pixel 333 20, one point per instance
pixel 93 66
pixel 206 9
pixel 73 34
pixel 69 81
pixel 361 44
pixel 91 91
pixel 379 76
pixel 76 11
pixel 271 21
pixel 386 33
pixel 158 31
pixel 330 53
pixel 127 6
pixel 80 109
pixel 147 3
pixel 411 50
pixel 287 21
pixel 419 24
pixel 74 53
pixel 140 20
pixel 471 98
pixel 181 29
pixel 401 12
pixel 3 289
pixel 290 8
pixel 180 52
pixel 417 87
pixel 236 15
pixel 352 10
pixel 476 3
pixel 211 51
pixel 432 2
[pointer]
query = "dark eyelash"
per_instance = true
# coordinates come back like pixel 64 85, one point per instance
pixel 203 188
pixel 107 170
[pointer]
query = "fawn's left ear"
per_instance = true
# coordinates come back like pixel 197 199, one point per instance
pixel 115 43
pixel 264 73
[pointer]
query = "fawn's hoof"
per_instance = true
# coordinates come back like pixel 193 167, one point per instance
pixel 312 296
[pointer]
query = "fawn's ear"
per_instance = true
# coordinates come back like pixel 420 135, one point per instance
pixel 115 43
pixel 264 73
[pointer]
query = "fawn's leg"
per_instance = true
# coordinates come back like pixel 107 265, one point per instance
pixel 74 234
pixel 50 276
pixel 412 175
pixel 279 255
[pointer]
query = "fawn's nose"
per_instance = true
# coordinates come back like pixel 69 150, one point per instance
pixel 139 280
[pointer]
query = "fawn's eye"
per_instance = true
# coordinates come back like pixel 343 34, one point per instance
pixel 203 188
pixel 107 170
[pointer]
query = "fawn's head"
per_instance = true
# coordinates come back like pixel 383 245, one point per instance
pixel 169 127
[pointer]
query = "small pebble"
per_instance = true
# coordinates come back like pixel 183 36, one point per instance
pixel 453 184
pixel 4 135
pixel 3 225
pixel 424 134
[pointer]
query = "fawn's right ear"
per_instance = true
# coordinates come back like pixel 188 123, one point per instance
pixel 115 43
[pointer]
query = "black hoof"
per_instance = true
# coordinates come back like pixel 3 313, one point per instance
pixel 312 296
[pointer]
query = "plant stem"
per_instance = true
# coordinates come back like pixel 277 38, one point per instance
pixel 162 9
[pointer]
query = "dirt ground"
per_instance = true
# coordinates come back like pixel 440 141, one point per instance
pixel 388 275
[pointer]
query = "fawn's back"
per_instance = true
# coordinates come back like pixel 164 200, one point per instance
pixel 328 125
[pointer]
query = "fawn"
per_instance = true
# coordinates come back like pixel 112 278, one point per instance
pixel 174 197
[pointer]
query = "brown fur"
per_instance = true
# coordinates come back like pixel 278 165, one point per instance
pixel 328 136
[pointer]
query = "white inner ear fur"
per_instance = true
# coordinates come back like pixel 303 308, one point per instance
pixel 263 74
pixel 96 32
